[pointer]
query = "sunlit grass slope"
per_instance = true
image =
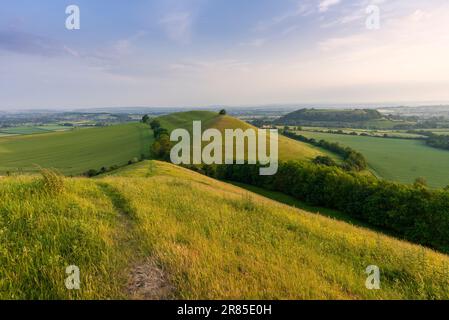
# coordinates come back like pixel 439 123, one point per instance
pixel 76 151
pixel 288 148
pixel 213 240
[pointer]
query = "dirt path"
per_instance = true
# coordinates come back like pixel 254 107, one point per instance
pixel 148 282
pixel 145 279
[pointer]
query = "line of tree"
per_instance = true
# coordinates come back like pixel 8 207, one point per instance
pixel 353 160
pixel 94 172
pixel 365 134
pixel 160 149
pixel 412 212
pixel 439 141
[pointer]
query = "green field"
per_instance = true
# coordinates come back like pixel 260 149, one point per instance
pixel 22 130
pixel 370 132
pixel 77 151
pixel 211 240
pixel 397 159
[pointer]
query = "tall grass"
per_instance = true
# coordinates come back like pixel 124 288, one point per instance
pixel 214 241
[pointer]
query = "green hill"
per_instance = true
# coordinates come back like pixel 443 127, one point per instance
pixel 364 118
pixel 77 151
pixel 288 149
pixel 154 230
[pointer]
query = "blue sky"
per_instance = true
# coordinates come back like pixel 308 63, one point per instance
pixel 206 52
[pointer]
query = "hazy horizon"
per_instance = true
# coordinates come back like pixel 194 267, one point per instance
pixel 293 106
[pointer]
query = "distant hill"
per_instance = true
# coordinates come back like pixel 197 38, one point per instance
pixel 314 116
pixel 288 149
pixel 155 231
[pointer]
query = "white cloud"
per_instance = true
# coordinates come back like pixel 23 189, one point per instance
pixel 303 9
pixel 178 26
pixel 255 42
pixel 326 4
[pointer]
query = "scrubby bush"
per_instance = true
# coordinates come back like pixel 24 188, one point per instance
pixel 325 161
pixel 155 124
pixel 91 173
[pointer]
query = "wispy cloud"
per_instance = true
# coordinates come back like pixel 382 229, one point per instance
pixel 326 4
pixel 178 26
pixel 302 9
pixel 32 44
pixel 259 42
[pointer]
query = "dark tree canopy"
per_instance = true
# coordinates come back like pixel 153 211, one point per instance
pixel 145 119
pixel 155 124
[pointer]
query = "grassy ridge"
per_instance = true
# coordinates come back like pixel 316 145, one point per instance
pixel 396 159
pixel 288 148
pixel 212 239
pixel 76 151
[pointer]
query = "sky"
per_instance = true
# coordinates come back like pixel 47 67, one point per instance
pixel 222 52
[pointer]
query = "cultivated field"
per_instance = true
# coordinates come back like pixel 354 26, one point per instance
pixel 211 240
pixel 75 152
pixel 22 130
pixel 397 159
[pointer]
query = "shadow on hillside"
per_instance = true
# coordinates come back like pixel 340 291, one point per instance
pixel 291 201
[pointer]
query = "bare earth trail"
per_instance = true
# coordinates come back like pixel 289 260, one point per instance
pixel 145 280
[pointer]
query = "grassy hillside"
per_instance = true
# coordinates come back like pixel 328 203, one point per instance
pixel 288 148
pixel 200 237
pixel 355 118
pixel 397 159
pixel 329 115
pixel 185 119
pixel 76 151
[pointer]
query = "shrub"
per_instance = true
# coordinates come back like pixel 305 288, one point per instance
pixel 145 119
pixel 222 112
pixel 155 124
pixel 325 161
pixel 92 173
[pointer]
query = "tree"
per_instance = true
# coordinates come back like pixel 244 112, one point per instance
pixel 145 119
pixel 325 161
pixel 92 173
pixel 222 112
pixel 161 147
pixel 420 182
pixel 155 124
pixel 160 131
